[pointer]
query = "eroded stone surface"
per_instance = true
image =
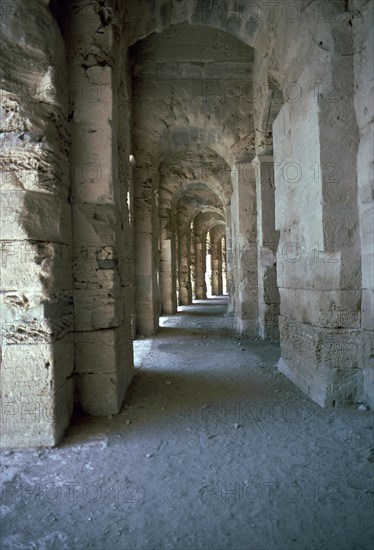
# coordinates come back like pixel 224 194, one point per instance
pixel 156 152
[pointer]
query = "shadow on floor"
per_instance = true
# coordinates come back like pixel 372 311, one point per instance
pixel 197 391
pixel 186 371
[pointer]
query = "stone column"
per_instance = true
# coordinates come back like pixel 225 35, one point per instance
pixel 267 243
pixel 36 383
pixel 216 254
pixel 224 266
pixel 363 46
pixel 167 266
pixel 200 291
pixel 214 265
pixel 245 249
pixel 219 267
pixel 185 290
pixel 203 255
pixel 318 256
pixel 230 266
pixel 102 342
pixel 193 263
pixel 146 248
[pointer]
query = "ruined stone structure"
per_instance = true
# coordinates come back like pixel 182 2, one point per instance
pixel 142 139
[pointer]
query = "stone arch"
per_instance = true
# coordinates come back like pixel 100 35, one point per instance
pixel 243 21
pixel 188 201
pixel 183 133
pixel 203 222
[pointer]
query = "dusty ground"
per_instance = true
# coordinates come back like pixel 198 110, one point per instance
pixel 214 450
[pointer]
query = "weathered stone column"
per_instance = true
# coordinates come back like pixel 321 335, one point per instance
pixel 146 248
pixel 200 291
pixel 224 266
pixel 168 294
pixel 193 263
pixel 102 342
pixel 245 249
pixel 363 60
pixel 216 255
pixel 267 243
pixel 185 290
pixel 219 267
pixel 318 256
pixel 36 384
pixel 230 248
pixel 208 266
pixel 203 255
pixel 214 265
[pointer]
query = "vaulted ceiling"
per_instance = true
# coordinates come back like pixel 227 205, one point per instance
pixel 193 113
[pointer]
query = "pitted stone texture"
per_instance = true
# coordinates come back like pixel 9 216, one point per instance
pixel 323 363
pixel 37 393
pixel 36 368
pixel 208 80
pixel 101 394
pixel 102 366
pixel 318 258
pixel 363 62
pixel 103 294
pixel 37 305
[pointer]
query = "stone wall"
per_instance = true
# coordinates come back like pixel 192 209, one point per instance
pixel 318 259
pixel 362 22
pixel 37 315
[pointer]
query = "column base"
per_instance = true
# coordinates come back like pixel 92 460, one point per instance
pixel 368 396
pixel 246 327
pixel 268 328
pixel 37 415
pixel 323 363
pixel 104 370
pixel 368 367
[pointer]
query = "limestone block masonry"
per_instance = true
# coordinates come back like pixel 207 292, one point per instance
pixel 154 152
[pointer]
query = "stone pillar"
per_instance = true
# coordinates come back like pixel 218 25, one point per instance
pixel 219 267
pixel 200 290
pixel 185 290
pixel 102 342
pixel 318 260
pixel 203 255
pixel 224 266
pixel 123 143
pixel 363 47
pixel 146 248
pixel 245 249
pixel 267 243
pixel 36 384
pixel 168 291
pixel 214 265
pixel 193 263
pixel 230 266
pixel 216 253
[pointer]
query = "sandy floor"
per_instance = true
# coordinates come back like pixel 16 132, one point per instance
pixel 214 450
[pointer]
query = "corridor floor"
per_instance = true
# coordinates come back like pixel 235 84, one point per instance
pixel 213 450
